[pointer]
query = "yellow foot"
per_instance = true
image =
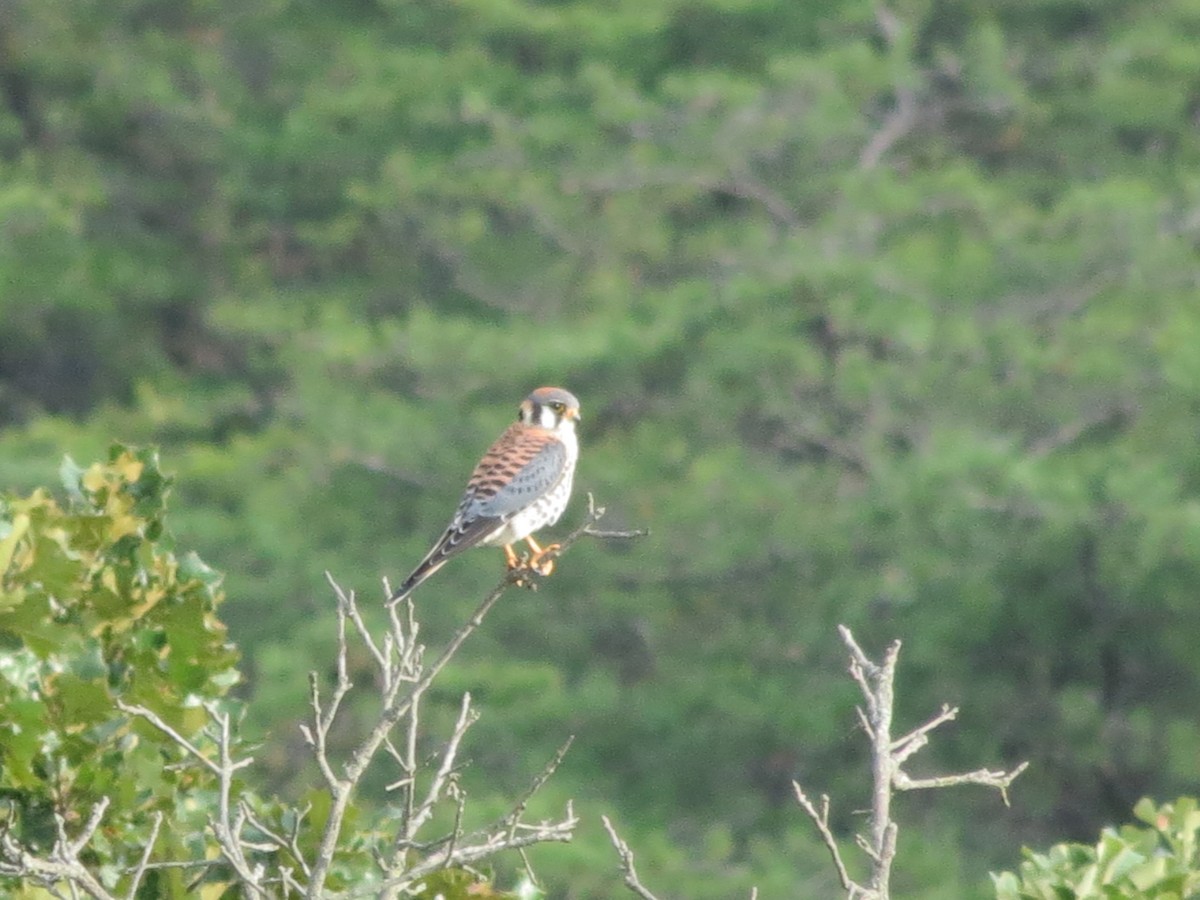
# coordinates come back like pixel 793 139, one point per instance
pixel 538 561
pixel 511 560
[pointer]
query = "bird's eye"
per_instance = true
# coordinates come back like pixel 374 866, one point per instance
pixel 557 407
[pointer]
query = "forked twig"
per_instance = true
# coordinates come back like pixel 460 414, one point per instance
pixel 877 683
pixel 627 868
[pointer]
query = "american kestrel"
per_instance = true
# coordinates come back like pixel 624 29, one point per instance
pixel 522 484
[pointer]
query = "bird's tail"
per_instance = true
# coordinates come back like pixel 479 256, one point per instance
pixel 424 570
pixel 452 542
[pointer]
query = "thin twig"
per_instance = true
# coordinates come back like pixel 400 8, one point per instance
pixel 466 717
pixel 821 820
pixel 289 844
pixel 463 855
pixel 513 819
pixel 364 633
pixel 76 846
pixel 229 833
pixel 626 856
pixel 63 866
pixel 456 831
pixel 154 719
pixel 948 713
pixel 140 871
pixel 985 777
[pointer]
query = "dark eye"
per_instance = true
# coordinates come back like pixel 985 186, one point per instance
pixel 558 407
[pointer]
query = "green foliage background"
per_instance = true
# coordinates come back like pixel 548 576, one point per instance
pixel 932 373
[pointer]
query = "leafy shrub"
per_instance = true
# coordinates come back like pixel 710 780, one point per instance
pixel 1160 861
pixel 95 609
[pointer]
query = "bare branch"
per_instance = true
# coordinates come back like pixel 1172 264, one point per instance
pixel 227 827
pixel 140 871
pixel 229 832
pixel 626 855
pixel 900 746
pixel 513 819
pixel 877 683
pixel 154 719
pixel 289 844
pixel 510 833
pixel 76 846
pixel 562 832
pixel 342 788
pixel 351 609
pixel 466 717
pixel 460 805
pixel 601 533
pixel 986 777
pixel 821 820
pixel 405 677
pixel 62 866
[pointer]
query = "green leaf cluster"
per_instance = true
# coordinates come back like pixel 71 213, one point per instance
pixel 96 609
pixel 1157 861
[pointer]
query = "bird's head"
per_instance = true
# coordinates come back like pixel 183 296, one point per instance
pixel 551 408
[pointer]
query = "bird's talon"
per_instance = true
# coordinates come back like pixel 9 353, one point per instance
pixel 511 560
pixel 538 561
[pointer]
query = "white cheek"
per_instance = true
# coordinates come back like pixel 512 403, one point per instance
pixel 546 418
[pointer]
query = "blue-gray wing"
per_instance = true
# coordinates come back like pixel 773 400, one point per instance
pixel 518 487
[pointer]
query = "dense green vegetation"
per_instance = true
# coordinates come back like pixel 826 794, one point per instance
pixel 884 316
pixel 95 611
pixel 1155 861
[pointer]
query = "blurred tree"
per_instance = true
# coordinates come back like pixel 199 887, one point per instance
pixel 880 314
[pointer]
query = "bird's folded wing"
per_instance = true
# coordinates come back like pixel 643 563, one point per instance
pixel 528 467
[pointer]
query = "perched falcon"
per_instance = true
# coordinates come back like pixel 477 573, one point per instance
pixel 522 484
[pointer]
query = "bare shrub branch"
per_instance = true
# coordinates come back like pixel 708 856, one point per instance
pixel 626 855
pixel 62 865
pixel 877 683
pixel 821 820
